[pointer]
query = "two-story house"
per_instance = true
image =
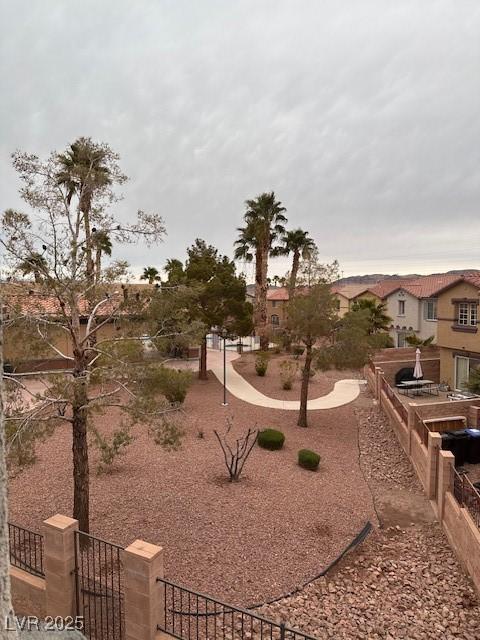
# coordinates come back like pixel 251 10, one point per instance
pixel 413 305
pixel 457 337
pixel 347 294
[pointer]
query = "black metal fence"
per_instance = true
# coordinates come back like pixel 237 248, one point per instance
pixel 26 549
pixel 467 495
pixel 188 615
pixel 99 587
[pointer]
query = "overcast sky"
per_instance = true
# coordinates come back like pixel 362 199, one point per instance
pixel 362 115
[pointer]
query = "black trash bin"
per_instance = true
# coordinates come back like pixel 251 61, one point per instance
pixel 473 452
pixel 448 441
pixel 461 441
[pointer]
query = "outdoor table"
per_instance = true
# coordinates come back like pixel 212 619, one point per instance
pixel 418 387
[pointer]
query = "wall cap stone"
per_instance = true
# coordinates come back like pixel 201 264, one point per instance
pixel 146 550
pixel 62 523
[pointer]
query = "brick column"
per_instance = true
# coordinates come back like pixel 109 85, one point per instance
pixel 59 564
pixel 433 448
pixel 143 564
pixel 446 466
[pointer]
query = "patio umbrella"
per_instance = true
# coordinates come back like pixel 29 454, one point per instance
pixel 417 372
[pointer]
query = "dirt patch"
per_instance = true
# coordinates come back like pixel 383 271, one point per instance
pixel 271 385
pixel 243 542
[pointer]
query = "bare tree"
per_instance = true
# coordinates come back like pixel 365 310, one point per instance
pixel 236 455
pixel 94 326
pixel 5 594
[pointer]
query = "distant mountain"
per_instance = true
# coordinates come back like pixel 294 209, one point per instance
pixel 373 278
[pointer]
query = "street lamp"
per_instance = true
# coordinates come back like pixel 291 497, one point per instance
pixel 224 336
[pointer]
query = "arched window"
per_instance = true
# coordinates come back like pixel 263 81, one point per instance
pixel 275 320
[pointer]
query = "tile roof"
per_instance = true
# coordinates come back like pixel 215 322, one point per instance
pixel 278 294
pixel 25 298
pixel 386 287
pixel 473 278
pixel 350 291
pixel 430 286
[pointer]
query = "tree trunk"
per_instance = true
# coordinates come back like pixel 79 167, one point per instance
pixel 293 275
pixel 202 371
pixel 81 474
pixel 302 416
pixel 98 264
pixel 6 609
pixel 262 286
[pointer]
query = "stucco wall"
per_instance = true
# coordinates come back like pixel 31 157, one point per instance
pixel 446 336
pixel 418 456
pixel 28 593
pixel 463 536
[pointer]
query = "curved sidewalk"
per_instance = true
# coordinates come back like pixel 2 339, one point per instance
pixel 344 391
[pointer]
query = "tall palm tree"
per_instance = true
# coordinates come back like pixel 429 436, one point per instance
pixel 377 314
pixel 35 265
pixel 103 246
pixel 151 274
pixel 264 224
pixel 300 245
pixel 83 170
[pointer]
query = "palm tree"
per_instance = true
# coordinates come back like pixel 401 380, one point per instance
pixel 414 341
pixel 102 244
pixel 300 245
pixel 35 265
pixel 83 170
pixel 151 274
pixel 378 319
pixel 264 224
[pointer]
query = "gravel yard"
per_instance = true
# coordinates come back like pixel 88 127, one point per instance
pixel 404 580
pixel 271 384
pixel 245 542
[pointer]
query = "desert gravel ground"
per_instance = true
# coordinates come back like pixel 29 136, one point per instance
pixel 271 385
pixel 245 542
pixel 404 580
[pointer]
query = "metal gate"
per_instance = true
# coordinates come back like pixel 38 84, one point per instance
pixel 99 585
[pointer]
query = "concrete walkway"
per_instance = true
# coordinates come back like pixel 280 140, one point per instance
pixel 345 391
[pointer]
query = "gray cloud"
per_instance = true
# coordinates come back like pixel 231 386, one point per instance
pixel 363 116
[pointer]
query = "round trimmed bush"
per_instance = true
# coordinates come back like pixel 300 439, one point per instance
pixel 308 459
pixel 271 439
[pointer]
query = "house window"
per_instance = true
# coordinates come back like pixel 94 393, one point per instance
pixel 337 305
pixel 463 368
pixel 275 320
pixel 467 314
pixel 401 339
pixel 401 307
pixel 430 309
pixel 274 303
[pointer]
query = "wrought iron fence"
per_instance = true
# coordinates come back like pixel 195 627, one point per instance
pixel 99 587
pixel 467 495
pixel 188 615
pixel 396 402
pixel 26 549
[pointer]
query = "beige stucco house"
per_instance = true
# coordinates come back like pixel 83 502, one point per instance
pixel 457 337
pixel 412 305
pixel 347 294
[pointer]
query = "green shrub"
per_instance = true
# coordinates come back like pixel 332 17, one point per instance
pixel 308 459
pixel 174 383
pixel 323 359
pixel 261 365
pixel 271 439
pixel 297 350
pixel 288 373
